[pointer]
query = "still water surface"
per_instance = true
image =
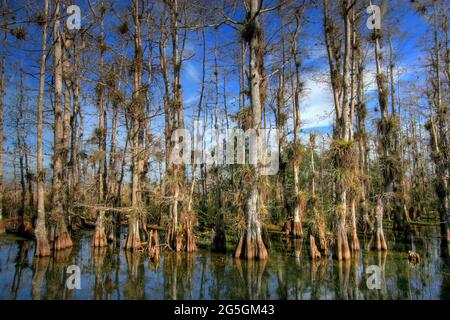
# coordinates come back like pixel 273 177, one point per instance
pixel 111 273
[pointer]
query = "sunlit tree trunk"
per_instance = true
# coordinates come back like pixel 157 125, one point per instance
pixel 180 235
pixel 342 146
pixel 219 240
pixel 361 139
pixel 61 236
pixel 133 239
pixel 251 245
pixel 300 201
pixel 388 179
pixel 42 246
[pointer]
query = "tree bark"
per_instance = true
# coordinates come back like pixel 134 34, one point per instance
pixel 133 239
pixel 42 245
pixel 60 234
pixel 251 245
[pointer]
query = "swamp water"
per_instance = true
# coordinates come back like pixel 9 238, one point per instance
pixel 111 273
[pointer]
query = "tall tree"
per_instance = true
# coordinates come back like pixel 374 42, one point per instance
pixel 342 148
pixel 100 235
pixel 251 244
pixel 61 236
pixel 136 110
pixel 42 245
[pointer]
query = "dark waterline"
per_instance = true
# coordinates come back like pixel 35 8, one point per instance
pixel 111 273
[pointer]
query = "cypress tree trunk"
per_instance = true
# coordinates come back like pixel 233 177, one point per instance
pixel 100 235
pixel 42 246
pixel 300 201
pixel 251 245
pixel 60 233
pixel 343 146
pixel 133 241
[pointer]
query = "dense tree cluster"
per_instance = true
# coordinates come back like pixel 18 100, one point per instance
pixel 91 115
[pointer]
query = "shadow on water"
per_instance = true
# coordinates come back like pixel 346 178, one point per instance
pixel 110 273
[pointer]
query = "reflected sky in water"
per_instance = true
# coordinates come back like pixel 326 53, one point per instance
pixel 111 273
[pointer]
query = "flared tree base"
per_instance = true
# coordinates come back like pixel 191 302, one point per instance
pixel 355 246
pixel 342 250
pixel 42 245
pixel 314 252
pixel 153 245
pixel 62 241
pixel 297 230
pixel 380 241
pixel 133 242
pixel 99 239
pixel 42 248
pixel 293 229
pixel 251 247
pixel 181 240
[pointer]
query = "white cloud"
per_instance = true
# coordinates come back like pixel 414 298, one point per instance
pixel 317 106
pixel 190 72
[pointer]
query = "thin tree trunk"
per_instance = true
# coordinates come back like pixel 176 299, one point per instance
pixel 2 99
pixel 133 239
pixel 42 245
pixel 300 201
pixel 60 234
pixel 99 239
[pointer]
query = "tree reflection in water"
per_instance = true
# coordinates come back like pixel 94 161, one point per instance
pixel 112 273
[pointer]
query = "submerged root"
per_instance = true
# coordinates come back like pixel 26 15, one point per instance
pixel 153 245
pixel 99 239
pixel 42 248
pixel 62 256
pixel 380 243
pixel 297 231
pixel 42 245
pixel 251 244
pixel 293 228
pixel 251 247
pixel 317 231
pixel 133 242
pixel 190 238
pixel 182 238
pixel 342 250
pixel 355 241
pixel 323 244
pixel 287 227
pixel 61 238
pixel 314 252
